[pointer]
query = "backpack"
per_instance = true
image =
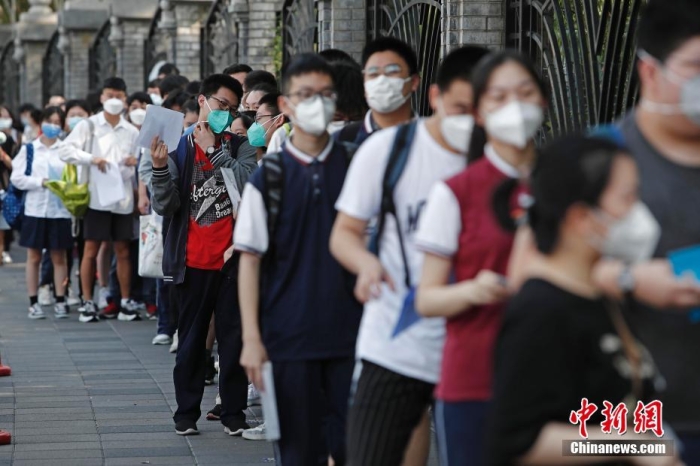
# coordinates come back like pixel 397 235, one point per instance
pixel 13 204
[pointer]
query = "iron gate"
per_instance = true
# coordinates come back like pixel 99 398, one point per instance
pixel 153 47
pixel 300 28
pixel 417 22
pixel 53 70
pixel 103 58
pixel 219 39
pixel 585 49
pixel 9 78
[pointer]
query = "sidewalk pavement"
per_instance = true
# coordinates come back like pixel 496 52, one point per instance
pixel 99 394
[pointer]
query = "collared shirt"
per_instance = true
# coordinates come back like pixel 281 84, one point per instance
pixel 40 202
pixel 115 144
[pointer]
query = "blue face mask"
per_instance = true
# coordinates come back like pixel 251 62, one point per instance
pixel 50 130
pixel 73 121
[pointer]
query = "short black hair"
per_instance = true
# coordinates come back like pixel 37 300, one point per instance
pixel 140 97
pixel 265 88
pixel 215 82
pixel 80 104
pixel 154 83
pixel 247 121
pixel 271 100
pixel 177 98
pixel 459 64
pixel 115 83
pixel 168 69
pixel 392 44
pixel 237 68
pixel 349 85
pixel 666 25
pixel 191 106
pixel 37 115
pixel 334 56
pixel 26 107
pixel 94 100
pixel 257 77
pixel 171 83
pixel 50 111
pixel 305 63
pixel 193 87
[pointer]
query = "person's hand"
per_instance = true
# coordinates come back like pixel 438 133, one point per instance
pixel 131 161
pixel 369 280
pixel 203 136
pixel 657 285
pixel 101 164
pixel 253 356
pixel 144 204
pixel 43 182
pixel 228 254
pixel 159 153
pixel 487 288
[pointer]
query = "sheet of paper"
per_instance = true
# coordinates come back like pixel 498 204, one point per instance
pixel 161 122
pixel 268 400
pixel 110 186
pixel 232 189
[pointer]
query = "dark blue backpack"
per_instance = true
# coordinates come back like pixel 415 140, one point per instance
pixel 13 204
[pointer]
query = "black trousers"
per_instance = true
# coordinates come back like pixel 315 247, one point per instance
pixel 387 407
pixel 312 405
pixel 204 292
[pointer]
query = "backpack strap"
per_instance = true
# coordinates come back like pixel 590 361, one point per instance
pixel 394 169
pixel 91 138
pixel 349 132
pixel 30 159
pixel 273 173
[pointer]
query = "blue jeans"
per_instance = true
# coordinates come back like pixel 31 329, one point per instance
pixel 460 430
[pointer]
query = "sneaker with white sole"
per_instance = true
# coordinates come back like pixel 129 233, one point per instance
pixel 45 296
pixel 253 396
pixel 88 313
pixel 61 310
pixel 173 347
pixel 73 299
pixel 256 433
pixel 186 427
pixel 36 312
pixel 103 298
pixel 162 339
pixel 129 311
pixel 235 427
pixel 6 258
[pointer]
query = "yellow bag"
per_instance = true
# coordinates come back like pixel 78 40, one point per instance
pixel 75 196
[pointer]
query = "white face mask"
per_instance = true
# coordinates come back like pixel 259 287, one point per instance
pixel 634 237
pixel 157 99
pixel 137 116
pixel 456 129
pixel 384 95
pixel 5 123
pixel 515 123
pixel 314 114
pixel 113 106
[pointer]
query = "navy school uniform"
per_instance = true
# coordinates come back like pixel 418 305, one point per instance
pixel 309 316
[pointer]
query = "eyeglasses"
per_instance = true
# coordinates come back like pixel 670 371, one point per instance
pixel 390 71
pixel 225 107
pixel 308 93
pixel 259 117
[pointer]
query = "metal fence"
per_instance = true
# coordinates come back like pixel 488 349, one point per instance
pixel 219 39
pixel 102 57
pixel 9 78
pixel 53 70
pixel 300 28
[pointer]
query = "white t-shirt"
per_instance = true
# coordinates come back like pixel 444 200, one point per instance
pixel 417 351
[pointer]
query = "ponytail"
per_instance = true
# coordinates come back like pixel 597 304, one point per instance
pixel 476 145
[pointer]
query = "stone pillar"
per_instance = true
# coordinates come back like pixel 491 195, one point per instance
pixel 263 30
pixel 190 17
pixel 241 13
pixel 474 22
pixel 349 26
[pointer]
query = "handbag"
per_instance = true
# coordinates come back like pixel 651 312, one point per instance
pixel 75 196
pixel 13 204
pixel 151 246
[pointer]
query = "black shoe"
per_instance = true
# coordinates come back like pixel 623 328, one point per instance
pixel 235 427
pixel 210 370
pixel 214 414
pixel 186 427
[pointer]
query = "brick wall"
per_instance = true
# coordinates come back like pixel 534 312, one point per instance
pixel 348 29
pixel 187 50
pixel 261 33
pixel 77 64
pixel 474 22
pixel 131 54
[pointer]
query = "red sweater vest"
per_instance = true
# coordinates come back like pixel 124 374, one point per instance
pixel 467 365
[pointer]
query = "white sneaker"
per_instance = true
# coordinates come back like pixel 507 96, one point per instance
pixel 6 258
pixel 256 433
pixel 61 311
pixel 36 312
pixel 88 313
pixel 173 347
pixel 162 339
pixel 253 396
pixel 129 311
pixel 103 298
pixel 45 296
pixel 73 299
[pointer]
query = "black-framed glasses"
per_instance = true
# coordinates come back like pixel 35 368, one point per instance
pixel 259 117
pixel 225 107
pixel 305 94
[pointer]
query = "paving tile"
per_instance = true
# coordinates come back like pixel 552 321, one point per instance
pixel 56 447
pixel 155 451
pixel 150 460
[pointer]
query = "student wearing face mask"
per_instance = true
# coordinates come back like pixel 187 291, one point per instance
pixel 46 223
pixel 268 119
pixel 458 231
pixel 390 69
pixel 8 148
pixel 303 318
pixel 194 186
pixel 108 138
pixel 76 111
pixel 562 340
pixel 400 355
pixel 663 135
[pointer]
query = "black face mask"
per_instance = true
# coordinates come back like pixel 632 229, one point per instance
pixel 250 114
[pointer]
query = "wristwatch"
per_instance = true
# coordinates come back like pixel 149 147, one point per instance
pixel 211 150
pixel 626 281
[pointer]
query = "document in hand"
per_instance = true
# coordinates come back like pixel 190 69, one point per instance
pixel 161 122
pixel 110 186
pixel 268 399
